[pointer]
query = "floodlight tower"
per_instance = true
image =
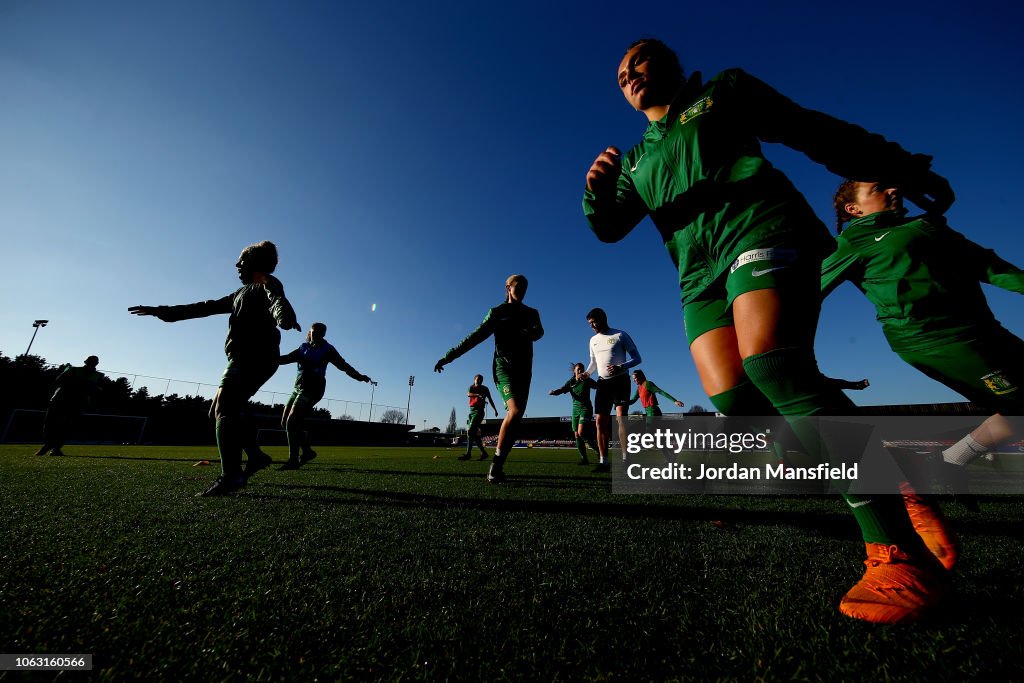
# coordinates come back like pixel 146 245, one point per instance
pixel 373 388
pixel 37 324
pixel 412 380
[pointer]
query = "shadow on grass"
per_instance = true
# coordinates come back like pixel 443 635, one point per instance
pixel 960 608
pixel 72 456
pixel 480 473
pixel 830 524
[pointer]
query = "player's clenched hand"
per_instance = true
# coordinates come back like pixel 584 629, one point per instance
pixel 439 366
pixel 604 172
pixel 679 403
pixel 931 192
pixel 364 378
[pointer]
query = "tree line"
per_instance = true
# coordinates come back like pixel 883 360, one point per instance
pixel 27 382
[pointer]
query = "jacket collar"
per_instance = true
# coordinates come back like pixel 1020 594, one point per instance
pixel 878 221
pixel 656 129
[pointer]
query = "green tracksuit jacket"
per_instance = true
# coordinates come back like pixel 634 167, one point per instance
pixel 580 391
pixel 255 312
pixel 515 327
pixel 922 276
pixel 700 174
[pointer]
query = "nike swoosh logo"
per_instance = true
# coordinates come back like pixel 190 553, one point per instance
pixel 633 169
pixel 881 237
pixel 758 273
pixel 859 504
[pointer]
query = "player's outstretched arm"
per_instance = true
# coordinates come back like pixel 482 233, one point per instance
pixel 857 385
pixel 485 330
pixel 162 312
pixel 293 357
pixel 142 310
pixel 666 394
pixel 343 365
pixel 201 309
pixel 560 390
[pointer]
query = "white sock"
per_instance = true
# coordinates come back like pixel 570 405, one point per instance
pixel 964 451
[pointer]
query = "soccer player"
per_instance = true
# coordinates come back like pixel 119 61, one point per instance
pixel 252 346
pixel 515 327
pixel 748 249
pixel 313 356
pixel 478 395
pixel 646 393
pixel 75 387
pixel 612 354
pixel 937 319
pixel 579 386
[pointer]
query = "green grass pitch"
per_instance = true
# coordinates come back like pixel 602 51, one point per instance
pixel 389 564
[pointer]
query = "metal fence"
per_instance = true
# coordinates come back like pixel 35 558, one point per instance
pixel 362 411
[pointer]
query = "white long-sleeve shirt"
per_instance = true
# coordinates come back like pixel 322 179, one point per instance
pixel 612 348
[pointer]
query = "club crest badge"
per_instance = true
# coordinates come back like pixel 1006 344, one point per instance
pixel 696 109
pixel 998 383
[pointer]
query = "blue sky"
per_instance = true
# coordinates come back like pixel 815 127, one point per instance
pixel 412 156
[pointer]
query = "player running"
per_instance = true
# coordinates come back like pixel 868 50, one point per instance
pixel 478 395
pixel 515 327
pixel 252 346
pixel 612 354
pixel 313 356
pixel 75 387
pixel 579 386
pixel 748 249
pixel 924 280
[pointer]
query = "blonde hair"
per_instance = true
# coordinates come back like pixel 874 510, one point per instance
pixel 519 283
pixel 518 277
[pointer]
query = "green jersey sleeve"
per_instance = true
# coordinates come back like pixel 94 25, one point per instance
pixel 989 267
pixel 843 148
pixel 838 267
pixel 611 218
pixel 480 334
pixel 534 330
pixel 280 307
pixel 564 389
pixel 200 309
pixel 656 389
